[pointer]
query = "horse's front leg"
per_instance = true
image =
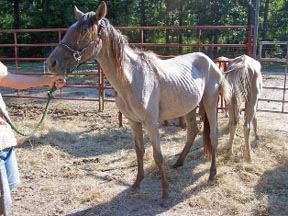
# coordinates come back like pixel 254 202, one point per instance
pixel 192 131
pixel 153 132
pixel 140 150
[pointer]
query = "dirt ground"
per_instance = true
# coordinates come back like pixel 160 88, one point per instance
pixel 82 163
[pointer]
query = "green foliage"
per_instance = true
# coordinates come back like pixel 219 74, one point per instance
pixel 278 20
pixel 60 14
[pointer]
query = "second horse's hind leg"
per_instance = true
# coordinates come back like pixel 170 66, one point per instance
pixel 255 127
pixel 233 110
pixel 192 131
pixel 249 117
pixel 233 122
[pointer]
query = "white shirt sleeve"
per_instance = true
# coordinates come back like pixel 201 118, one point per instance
pixel 3 69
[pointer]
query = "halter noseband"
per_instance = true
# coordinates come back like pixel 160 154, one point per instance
pixel 78 54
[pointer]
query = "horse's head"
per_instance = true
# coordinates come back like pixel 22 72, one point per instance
pixel 81 42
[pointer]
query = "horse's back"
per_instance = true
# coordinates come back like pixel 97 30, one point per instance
pixel 183 64
pixel 249 62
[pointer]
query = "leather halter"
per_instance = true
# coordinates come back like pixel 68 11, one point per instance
pixel 78 54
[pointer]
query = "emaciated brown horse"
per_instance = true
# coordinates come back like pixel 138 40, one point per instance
pixel 149 89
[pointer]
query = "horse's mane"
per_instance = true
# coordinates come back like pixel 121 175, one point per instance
pixel 116 42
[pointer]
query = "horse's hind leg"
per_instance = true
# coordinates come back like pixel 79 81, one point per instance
pixel 255 127
pixel 249 116
pixel 192 131
pixel 233 111
pixel 140 150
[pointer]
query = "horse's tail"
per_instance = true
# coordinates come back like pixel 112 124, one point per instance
pixel 224 90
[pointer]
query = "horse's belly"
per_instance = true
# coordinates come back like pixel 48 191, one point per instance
pixel 180 105
pixel 130 112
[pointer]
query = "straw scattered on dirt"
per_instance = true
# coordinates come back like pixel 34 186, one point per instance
pixel 82 163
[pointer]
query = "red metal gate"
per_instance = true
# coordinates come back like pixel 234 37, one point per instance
pixel 101 84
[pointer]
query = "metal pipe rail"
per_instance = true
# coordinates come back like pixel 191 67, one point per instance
pixel 283 60
pixel 99 74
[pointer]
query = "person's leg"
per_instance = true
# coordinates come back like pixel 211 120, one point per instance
pixel 6 200
pixel 12 169
pixel 9 175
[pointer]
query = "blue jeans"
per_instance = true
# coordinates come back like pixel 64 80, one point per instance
pixel 9 173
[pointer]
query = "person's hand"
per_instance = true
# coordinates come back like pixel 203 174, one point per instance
pixel 58 82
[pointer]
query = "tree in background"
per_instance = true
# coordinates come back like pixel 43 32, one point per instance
pixel 278 20
pixel 59 14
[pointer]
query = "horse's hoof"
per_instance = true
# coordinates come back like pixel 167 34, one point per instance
pixel 165 203
pixel 135 188
pixel 229 153
pixel 211 180
pixel 247 158
pixel 177 164
pixel 228 156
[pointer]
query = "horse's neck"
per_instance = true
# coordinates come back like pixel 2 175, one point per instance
pixel 106 63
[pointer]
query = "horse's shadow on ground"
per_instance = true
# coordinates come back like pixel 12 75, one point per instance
pixel 274 186
pixel 148 197
pixel 84 143
pixel 87 144
pixel 147 200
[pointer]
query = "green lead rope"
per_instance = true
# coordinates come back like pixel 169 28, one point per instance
pixel 33 131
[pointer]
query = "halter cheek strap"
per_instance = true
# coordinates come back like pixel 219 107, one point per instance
pixel 78 54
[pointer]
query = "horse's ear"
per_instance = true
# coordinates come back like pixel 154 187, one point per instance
pixel 78 13
pixel 101 11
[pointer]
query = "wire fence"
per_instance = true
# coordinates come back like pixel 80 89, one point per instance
pixel 273 56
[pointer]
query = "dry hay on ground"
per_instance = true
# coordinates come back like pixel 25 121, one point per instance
pixel 82 163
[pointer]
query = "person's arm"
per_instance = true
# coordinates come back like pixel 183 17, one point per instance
pixel 19 81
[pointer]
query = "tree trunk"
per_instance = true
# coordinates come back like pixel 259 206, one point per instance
pixel 167 40
pixel 16 14
pixel 215 49
pixel 180 37
pixel 143 15
pixel 265 20
pixel 265 25
pixel 251 12
pixel 143 18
